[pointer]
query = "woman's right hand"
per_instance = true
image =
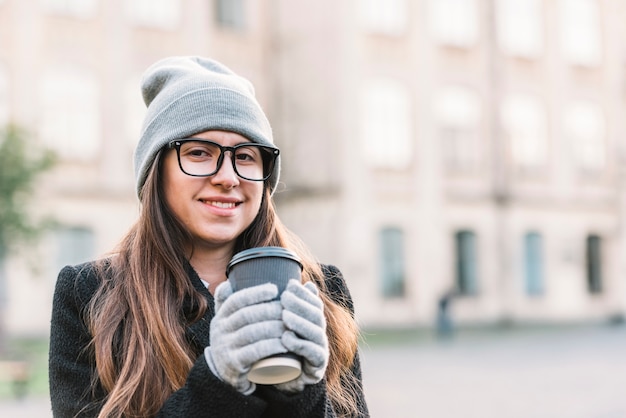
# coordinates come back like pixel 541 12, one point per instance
pixel 247 327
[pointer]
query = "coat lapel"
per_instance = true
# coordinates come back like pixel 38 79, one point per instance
pixel 198 332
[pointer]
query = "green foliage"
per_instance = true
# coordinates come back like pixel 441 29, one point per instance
pixel 35 353
pixel 22 160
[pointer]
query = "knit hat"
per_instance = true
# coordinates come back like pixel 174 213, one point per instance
pixel 189 95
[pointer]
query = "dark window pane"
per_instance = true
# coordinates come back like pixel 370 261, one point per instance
pixel 392 262
pixel 230 13
pixel 594 264
pixel 466 263
pixel 533 263
pixel 75 245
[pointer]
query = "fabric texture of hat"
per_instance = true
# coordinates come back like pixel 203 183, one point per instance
pixel 189 95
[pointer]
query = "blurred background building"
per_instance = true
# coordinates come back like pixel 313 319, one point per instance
pixel 430 147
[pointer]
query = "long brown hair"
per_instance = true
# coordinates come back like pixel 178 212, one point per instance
pixel 135 316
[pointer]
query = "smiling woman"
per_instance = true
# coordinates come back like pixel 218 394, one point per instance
pixel 216 202
pixel 156 329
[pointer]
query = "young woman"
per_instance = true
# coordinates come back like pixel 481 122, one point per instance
pixel 155 329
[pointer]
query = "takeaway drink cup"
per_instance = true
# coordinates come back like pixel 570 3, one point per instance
pixel 262 265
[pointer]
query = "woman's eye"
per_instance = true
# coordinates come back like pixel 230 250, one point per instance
pixel 197 152
pixel 200 152
pixel 245 157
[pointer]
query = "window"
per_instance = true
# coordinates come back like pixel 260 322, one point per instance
pixel 77 8
pixel 533 263
pixel 580 31
pixel 392 262
pixel 525 124
pixel 459 113
pixel 4 96
pixel 454 22
pixel 387 17
pixel 584 127
pixel 594 264
pixel 74 245
pixel 231 13
pixel 466 263
pixel 385 125
pixel 70 114
pixel 519 27
pixel 164 14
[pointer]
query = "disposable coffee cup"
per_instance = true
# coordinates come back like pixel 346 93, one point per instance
pixel 257 266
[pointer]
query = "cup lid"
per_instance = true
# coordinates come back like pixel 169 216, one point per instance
pixel 258 252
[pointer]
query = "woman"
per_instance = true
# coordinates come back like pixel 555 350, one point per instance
pixel 156 329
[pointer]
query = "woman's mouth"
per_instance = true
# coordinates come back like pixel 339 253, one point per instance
pixel 221 205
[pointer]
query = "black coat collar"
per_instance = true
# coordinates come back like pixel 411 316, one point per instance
pixel 198 332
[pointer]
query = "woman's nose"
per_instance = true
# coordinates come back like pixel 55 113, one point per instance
pixel 226 175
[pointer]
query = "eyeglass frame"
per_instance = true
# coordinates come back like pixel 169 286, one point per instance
pixel 275 152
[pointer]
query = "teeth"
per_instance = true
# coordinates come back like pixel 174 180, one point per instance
pixel 223 205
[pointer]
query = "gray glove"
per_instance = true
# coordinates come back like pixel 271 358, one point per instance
pixel 247 327
pixel 303 316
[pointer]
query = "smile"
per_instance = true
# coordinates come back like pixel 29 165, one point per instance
pixel 222 205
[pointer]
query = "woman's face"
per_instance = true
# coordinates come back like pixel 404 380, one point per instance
pixel 214 209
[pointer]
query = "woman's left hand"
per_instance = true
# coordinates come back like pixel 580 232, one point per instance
pixel 305 335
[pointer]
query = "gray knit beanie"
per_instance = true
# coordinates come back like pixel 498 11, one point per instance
pixel 189 95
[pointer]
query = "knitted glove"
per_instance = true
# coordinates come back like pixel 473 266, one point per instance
pixel 247 327
pixel 303 316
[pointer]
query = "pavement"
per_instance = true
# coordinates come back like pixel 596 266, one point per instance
pixel 25 408
pixel 562 373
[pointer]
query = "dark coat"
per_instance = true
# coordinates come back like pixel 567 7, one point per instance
pixel 72 365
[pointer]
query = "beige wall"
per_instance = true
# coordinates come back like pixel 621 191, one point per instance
pixel 309 60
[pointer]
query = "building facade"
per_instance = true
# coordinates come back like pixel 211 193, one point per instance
pixel 431 147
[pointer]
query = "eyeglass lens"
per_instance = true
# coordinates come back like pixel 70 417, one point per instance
pixel 201 158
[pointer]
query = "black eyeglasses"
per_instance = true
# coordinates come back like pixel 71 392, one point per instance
pixel 202 158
